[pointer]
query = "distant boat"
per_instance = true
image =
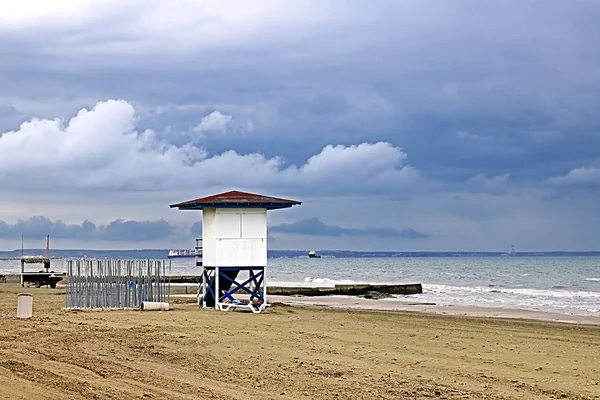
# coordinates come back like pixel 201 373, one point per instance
pixel 313 254
pixel 512 252
pixel 181 254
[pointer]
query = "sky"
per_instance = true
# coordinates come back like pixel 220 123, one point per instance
pixel 401 125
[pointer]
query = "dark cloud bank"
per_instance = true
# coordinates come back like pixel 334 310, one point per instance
pixel 138 231
pixel 117 230
pixel 316 227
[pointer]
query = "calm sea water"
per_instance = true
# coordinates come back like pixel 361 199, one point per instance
pixel 568 285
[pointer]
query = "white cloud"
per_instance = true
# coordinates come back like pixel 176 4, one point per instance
pixel 213 122
pixel 585 176
pixel 371 165
pixel 137 26
pixel 100 148
pixel 34 12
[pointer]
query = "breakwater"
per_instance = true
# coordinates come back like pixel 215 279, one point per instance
pixel 189 286
pixel 348 290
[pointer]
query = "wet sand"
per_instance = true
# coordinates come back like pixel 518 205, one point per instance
pixel 297 352
pixel 405 304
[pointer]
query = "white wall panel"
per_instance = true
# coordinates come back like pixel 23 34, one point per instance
pixel 228 226
pixel 234 237
pixel 241 252
pixel 254 226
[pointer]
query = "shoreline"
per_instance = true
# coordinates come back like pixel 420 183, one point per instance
pixel 429 308
pixel 394 304
pixel 405 303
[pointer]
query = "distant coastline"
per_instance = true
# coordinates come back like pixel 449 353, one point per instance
pixel 162 253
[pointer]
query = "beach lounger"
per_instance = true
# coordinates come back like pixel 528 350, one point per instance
pixel 233 303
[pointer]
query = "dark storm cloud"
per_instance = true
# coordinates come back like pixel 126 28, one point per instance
pixel 118 230
pixel 316 227
pixel 135 230
pixel 409 73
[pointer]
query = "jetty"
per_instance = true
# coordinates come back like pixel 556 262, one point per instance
pixel 189 284
pixel 345 290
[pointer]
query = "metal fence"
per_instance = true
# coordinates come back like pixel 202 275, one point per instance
pixel 116 283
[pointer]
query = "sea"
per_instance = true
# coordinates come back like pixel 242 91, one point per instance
pixel 566 285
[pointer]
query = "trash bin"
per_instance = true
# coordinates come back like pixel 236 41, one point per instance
pixel 25 305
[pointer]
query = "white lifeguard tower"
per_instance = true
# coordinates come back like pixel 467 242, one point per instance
pixel 234 248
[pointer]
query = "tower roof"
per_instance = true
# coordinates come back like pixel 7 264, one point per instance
pixel 236 199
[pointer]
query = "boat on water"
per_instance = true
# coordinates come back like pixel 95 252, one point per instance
pixel 313 254
pixel 181 254
pixel 511 253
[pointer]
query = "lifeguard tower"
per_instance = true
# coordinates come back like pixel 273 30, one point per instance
pixel 234 248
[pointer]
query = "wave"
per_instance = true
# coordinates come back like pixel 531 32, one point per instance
pixel 517 291
pixel 592 279
pixel 548 300
pixel 557 300
pixel 315 282
pixel 324 282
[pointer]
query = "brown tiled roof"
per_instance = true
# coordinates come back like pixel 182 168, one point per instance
pixel 234 199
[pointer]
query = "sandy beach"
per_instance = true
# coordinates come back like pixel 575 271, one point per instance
pixel 300 351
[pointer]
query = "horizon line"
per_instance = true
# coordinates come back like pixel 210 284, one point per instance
pixel 329 250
